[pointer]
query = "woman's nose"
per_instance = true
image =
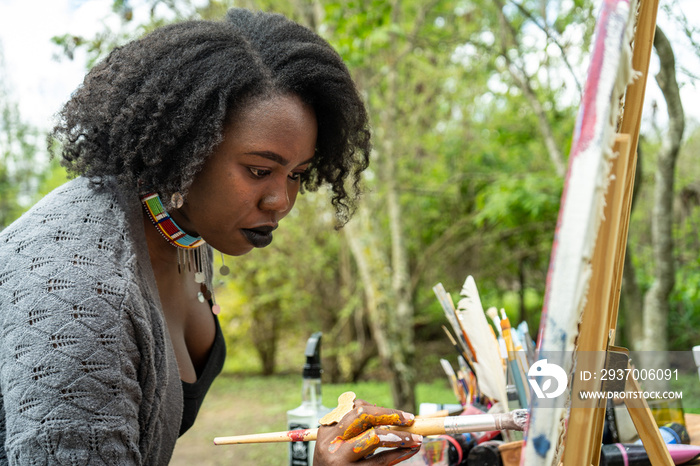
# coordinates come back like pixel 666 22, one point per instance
pixel 276 199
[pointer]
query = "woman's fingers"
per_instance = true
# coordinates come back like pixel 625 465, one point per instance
pixel 361 432
pixel 364 444
pixel 365 417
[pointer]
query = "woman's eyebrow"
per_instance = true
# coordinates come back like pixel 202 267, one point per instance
pixel 275 157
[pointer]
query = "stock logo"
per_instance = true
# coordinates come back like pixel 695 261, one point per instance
pixel 550 372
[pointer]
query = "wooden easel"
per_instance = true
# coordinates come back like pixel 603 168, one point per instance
pixel 599 321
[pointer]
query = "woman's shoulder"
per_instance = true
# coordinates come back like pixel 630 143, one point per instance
pixel 77 211
pixel 75 239
pixel 75 205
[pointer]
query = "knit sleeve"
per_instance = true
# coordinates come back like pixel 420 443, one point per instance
pixel 68 372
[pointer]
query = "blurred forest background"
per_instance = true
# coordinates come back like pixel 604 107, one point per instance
pixel 473 104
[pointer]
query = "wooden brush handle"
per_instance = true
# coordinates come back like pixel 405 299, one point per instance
pixel 515 420
pixel 303 435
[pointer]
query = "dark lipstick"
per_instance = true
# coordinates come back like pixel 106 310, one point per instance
pixel 258 237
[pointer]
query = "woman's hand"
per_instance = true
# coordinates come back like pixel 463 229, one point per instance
pixel 358 434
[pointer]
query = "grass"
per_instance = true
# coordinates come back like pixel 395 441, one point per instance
pixel 238 405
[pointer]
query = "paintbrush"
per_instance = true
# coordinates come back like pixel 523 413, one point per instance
pixel 459 349
pixel 527 344
pixel 492 312
pixel 489 368
pixel 512 363
pixel 456 387
pixel 449 308
pixel 514 420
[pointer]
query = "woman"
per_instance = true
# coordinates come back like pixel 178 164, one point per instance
pixel 194 137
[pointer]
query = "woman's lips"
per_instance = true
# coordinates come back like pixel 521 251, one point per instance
pixel 258 237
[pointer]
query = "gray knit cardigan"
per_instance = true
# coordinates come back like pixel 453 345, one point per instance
pixel 87 371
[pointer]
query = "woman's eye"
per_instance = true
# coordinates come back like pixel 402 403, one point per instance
pixel 295 176
pixel 258 172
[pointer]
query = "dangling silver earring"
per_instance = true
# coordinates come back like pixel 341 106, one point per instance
pixel 177 201
pixel 224 270
pixel 198 258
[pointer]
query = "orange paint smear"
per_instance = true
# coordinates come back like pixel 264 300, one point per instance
pixel 363 421
pixel 365 442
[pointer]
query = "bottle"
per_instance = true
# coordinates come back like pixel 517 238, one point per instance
pixel 672 433
pixel 311 410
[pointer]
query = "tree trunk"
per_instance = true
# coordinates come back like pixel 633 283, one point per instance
pixel 403 382
pixel 265 333
pixel 656 304
pixel 382 309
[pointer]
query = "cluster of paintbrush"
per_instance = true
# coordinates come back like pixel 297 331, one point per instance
pixel 489 360
pixel 484 361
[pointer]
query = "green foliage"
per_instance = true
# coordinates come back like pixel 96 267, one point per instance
pixel 512 201
pixel 684 318
pixel 478 193
pixel 21 159
pixel 477 189
pixel 358 29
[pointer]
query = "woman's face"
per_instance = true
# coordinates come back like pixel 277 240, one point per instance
pixel 251 180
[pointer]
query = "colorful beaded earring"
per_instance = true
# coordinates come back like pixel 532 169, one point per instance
pixel 166 225
pixel 189 254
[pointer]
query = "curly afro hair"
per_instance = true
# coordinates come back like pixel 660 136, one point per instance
pixel 153 111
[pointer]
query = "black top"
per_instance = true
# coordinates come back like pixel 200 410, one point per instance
pixel 193 393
